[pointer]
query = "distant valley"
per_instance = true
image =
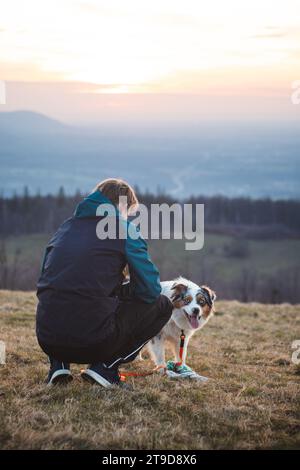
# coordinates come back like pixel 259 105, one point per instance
pixel 257 160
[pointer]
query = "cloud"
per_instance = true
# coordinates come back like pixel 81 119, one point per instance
pixel 270 35
pixel 270 32
pixel 273 32
pixel 92 8
pixel 24 71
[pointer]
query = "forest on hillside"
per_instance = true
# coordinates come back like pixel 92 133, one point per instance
pixel 255 218
pixel 251 250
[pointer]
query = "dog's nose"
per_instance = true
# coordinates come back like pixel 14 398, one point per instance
pixel 196 310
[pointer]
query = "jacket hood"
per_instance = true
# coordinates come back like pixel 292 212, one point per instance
pixel 88 207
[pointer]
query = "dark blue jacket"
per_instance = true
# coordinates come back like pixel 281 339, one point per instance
pixel 80 275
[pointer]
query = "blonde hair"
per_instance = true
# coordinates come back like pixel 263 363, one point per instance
pixel 113 188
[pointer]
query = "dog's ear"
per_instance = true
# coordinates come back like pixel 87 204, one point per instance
pixel 179 287
pixel 211 293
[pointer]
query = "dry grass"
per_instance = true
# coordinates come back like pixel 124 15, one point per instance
pixel 252 400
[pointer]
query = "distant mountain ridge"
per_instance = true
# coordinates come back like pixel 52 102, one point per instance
pixel 28 122
pixel 237 160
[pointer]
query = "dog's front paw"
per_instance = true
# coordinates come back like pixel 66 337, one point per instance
pixel 161 369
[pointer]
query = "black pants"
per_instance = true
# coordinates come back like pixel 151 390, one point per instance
pixel 135 323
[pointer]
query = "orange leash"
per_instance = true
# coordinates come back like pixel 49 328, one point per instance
pixel 124 374
pixel 182 340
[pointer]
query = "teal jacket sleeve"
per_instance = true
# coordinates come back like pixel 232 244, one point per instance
pixel 144 275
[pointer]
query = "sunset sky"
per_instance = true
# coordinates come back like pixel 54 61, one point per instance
pixel 240 57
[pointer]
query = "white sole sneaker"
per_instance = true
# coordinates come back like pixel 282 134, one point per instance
pixel 92 377
pixel 61 375
pixel 186 375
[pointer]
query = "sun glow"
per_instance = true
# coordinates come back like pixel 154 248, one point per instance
pixel 140 46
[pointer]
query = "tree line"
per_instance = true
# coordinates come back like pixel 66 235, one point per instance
pixel 251 218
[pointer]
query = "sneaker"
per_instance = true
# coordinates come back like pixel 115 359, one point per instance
pixel 102 375
pixel 59 372
pixel 175 371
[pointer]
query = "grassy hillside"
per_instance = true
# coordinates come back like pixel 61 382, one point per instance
pixel 259 267
pixel 260 253
pixel 251 400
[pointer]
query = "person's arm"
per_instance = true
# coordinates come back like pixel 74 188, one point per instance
pixel 144 275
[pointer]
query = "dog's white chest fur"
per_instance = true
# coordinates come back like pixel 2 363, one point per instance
pixel 190 314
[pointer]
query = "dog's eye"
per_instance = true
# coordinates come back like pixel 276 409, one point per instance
pixel 187 300
pixel 201 300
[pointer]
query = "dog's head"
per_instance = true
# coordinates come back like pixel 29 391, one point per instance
pixel 193 304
